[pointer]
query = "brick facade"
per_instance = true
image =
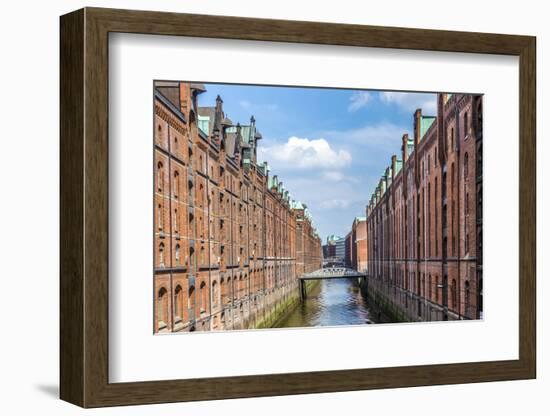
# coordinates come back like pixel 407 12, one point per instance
pixel 356 245
pixel 229 241
pixel 424 220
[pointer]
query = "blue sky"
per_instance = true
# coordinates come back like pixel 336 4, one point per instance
pixel 328 146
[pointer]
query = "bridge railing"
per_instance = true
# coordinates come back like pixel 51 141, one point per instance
pixel 332 272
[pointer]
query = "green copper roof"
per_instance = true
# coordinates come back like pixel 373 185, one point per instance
pixel 398 166
pixel 246 134
pixel 296 205
pixel 273 182
pixel 410 147
pixel 425 124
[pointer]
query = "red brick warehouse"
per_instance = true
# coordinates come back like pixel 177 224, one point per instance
pixel 424 220
pixel 356 245
pixel 229 240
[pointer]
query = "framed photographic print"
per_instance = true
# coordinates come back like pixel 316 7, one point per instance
pixel 256 207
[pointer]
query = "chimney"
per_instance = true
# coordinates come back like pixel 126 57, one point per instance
pixel 238 148
pixel 185 97
pixel 218 115
pixel 393 163
pixel 405 140
pixel 253 138
pixel 417 122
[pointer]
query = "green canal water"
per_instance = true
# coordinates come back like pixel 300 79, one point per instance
pixel 332 302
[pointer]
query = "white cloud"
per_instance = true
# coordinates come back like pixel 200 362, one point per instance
pixel 336 176
pixel 410 101
pixel 303 153
pixel 358 99
pixel 372 134
pixel 335 203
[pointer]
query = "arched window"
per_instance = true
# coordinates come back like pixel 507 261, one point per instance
pixel 452 139
pixel 435 219
pixel 467 308
pixel 162 308
pixel 161 254
pixel 429 236
pixel 423 285
pixel 176 222
pixel 178 304
pixel 177 254
pixel 466 124
pixel 215 293
pixel 203 296
pixel 445 291
pixel 160 217
pixel 453 239
pixel 241 285
pixel 176 184
pixel 160 176
pixel 452 176
pixel 229 289
pixel 223 291
pixel 192 258
pixel 191 299
pixel 466 169
pixel 454 299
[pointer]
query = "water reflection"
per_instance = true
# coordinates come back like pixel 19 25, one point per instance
pixel 332 302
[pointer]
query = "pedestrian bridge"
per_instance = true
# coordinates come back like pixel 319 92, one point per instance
pixel 328 273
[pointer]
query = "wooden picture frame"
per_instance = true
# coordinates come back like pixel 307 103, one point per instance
pixel 84 207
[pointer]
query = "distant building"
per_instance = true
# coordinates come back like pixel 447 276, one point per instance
pixel 348 247
pixel 356 245
pixel 340 248
pixel 334 251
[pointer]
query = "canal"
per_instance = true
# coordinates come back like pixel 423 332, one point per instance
pixel 332 302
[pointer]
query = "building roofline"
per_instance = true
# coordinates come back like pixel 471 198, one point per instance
pixel 177 112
